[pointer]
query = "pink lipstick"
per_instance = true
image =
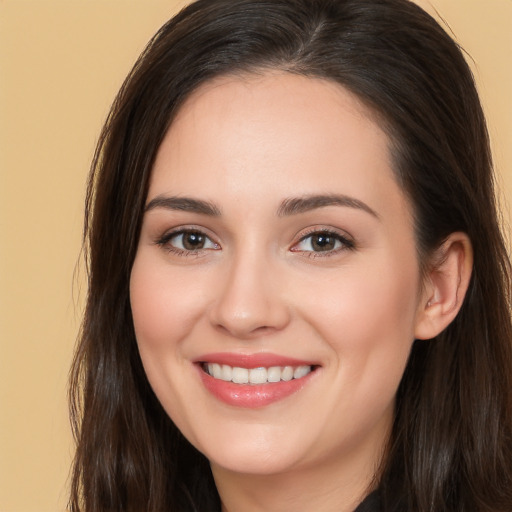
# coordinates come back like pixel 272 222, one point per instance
pixel 254 380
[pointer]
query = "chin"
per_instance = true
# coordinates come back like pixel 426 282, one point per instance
pixel 249 454
pixel 254 463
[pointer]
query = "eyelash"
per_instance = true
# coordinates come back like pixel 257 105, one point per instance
pixel 165 240
pixel 345 243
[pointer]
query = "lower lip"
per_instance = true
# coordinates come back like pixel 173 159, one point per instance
pixel 252 396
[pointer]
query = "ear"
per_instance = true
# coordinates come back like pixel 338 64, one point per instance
pixel 445 286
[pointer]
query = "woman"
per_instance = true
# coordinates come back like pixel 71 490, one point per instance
pixel 299 294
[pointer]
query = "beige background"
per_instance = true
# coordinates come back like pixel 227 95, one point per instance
pixel 61 63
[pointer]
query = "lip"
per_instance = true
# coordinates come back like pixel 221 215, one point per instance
pixel 252 396
pixel 264 359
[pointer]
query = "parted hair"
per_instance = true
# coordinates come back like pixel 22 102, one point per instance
pixel 451 445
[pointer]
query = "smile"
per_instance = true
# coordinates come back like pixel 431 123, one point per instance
pixel 261 375
pixel 254 381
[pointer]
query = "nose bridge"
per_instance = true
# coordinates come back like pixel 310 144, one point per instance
pixel 249 300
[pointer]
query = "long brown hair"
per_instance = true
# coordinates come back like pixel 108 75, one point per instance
pixel 451 445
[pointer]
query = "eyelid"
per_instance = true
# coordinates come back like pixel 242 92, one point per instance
pixel 341 236
pixel 163 240
pixel 346 240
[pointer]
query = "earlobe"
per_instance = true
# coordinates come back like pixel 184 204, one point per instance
pixel 445 286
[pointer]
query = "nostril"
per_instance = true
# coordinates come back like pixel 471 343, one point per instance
pixel 245 332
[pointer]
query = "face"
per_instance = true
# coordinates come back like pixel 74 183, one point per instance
pixel 276 290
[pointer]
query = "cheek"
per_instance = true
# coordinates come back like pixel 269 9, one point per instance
pixel 369 324
pixel 165 305
pixel 165 309
pixel 360 300
pixel 367 316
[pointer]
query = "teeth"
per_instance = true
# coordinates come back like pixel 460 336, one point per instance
pixel 274 374
pixel 217 370
pixel 301 371
pixel 227 372
pixel 287 373
pixel 240 375
pixel 256 375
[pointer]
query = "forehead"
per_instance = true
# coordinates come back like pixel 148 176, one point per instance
pixel 274 131
pixel 270 99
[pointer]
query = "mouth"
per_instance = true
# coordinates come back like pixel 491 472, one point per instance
pixel 254 376
pixel 254 381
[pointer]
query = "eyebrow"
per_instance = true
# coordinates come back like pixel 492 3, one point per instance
pixel 294 206
pixel 186 204
pixel 290 206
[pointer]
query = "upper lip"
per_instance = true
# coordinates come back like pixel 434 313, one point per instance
pixel 260 360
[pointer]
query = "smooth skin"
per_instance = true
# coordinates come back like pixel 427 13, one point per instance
pixel 335 281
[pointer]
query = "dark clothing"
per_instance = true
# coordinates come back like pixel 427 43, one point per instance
pixel 370 504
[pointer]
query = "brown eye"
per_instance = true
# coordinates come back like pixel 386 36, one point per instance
pixel 193 240
pixel 323 241
pixel 187 241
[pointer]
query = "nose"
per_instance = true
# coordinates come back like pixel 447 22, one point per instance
pixel 250 299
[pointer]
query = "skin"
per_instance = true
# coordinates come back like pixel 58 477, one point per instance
pixel 245 145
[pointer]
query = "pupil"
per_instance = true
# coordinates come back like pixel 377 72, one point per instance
pixel 323 243
pixel 193 241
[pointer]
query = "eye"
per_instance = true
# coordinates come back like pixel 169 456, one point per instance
pixel 323 241
pixel 187 240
